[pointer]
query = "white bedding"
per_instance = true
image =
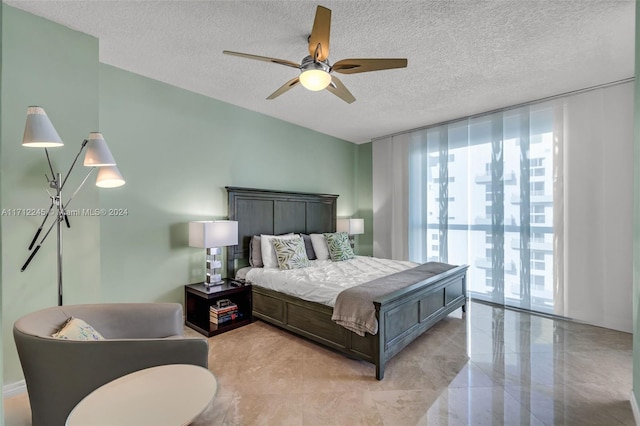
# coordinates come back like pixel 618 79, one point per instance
pixel 324 280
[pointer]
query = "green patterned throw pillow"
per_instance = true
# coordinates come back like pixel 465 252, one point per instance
pixel 291 253
pixel 339 246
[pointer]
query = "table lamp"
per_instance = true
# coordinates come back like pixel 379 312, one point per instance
pixel 212 235
pixel 351 227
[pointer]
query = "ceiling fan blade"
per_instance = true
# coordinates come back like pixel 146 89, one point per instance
pixel 288 85
pixel 320 34
pixel 340 90
pixel 263 58
pixel 352 66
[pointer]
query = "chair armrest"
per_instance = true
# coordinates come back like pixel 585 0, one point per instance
pixel 131 320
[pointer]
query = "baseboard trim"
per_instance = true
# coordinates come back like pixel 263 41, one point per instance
pixel 634 407
pixel 14 389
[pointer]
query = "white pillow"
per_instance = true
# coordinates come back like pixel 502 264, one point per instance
pixel 320 246
pixel 269 258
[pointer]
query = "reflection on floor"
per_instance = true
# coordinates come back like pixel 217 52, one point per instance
pixel 490 366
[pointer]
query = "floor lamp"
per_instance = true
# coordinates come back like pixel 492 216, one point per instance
pixel 40 133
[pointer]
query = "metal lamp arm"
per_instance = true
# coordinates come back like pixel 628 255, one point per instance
pixel 33 253
pixel 64 207
pixel 53 174
pixel 61 214
pixel 35 237
pixel 52 183
pixel 84 143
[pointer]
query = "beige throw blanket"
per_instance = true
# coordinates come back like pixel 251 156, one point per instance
pixel 354 308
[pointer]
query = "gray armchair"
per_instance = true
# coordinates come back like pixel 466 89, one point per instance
pixel 60 373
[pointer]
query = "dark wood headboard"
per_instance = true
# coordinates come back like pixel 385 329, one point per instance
pixel 261 211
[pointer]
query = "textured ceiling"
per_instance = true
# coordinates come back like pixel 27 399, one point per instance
pixel 465 56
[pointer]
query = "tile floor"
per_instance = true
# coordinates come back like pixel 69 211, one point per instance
pixel 489 367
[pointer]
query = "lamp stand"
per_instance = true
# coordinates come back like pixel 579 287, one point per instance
pixel 60 217
pixel 57 183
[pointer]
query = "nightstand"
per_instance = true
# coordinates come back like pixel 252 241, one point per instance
pixel 198 299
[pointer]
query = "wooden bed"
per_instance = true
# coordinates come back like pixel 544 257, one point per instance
pixel 402 315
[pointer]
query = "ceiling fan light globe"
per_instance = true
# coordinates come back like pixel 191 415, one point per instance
pixel 315 79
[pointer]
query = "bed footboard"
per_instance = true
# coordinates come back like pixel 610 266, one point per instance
pixel 406 314
pixel 402 317
pixel 311 320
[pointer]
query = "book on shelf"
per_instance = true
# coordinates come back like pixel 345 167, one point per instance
pixel 225 318
pixel 222 314
pixel 223 305
pixel 215 311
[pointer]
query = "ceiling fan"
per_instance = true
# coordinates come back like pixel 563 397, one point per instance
pixel 315 69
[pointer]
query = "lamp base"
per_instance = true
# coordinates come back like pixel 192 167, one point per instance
pixel 352 242
pixel 213 284
pixel 213 265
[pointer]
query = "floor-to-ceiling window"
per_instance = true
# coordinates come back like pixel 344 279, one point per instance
pixel 481 193
pixel 536 199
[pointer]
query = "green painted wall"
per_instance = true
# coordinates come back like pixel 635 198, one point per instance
pixel 54 67
pixel 636 223
pixel 177 151
pixel 364 197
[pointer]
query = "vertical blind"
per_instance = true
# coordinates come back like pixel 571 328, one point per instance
pixel 481 193
pixel 535 199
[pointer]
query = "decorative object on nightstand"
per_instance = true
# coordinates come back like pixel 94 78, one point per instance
pixel 212 235
pixel 40 133
pixel 351 227
pixel 214 310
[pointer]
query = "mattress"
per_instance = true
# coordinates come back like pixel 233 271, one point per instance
pixel 324 279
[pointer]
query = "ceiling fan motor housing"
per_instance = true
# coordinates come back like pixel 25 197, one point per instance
pixel 308 63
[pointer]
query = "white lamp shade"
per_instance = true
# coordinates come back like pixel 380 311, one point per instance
pixel 98 154
pixel 38 130
pixel 350 226
pixel 217 233
pixel 315 79
pixel 109 177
